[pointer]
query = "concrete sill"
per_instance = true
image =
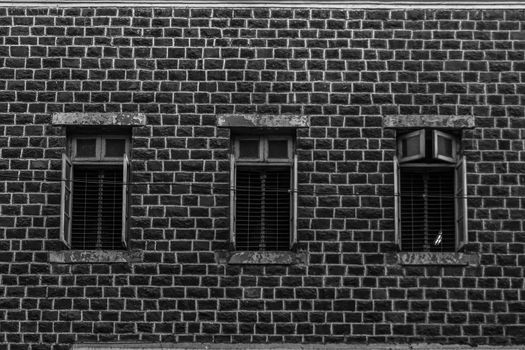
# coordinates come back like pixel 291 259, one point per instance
pixel 94 256
pixel 261 258
pixel 439 259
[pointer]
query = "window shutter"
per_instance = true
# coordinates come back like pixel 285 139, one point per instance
pixel 125 193
pixel 293 236
pixel 397 201
pixel 444 146
pixel 232 200
pixel 65 201
pixel 461 203
pixel 411 146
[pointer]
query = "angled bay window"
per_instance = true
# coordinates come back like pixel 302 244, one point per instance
pixel 95 192
pixel 263 193
pixel 430 189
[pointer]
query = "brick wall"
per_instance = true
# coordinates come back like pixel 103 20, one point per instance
pixel 182 67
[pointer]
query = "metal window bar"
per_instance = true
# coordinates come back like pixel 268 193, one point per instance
pixel 97 208
pixel 427 211
pixel 263 201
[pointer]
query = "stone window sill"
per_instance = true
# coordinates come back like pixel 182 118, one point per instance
pixel 261 258
pixel 437 259
pixel 95 256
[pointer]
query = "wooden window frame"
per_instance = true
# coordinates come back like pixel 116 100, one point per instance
pixel 264 161
pixel 264 149
pixel 66 200
pixel 104 139
pixel 289 146
pixel 460 188
pixel 69 162
pixel 461 208
pixel 74 148
pixel 100 148
pixel 249 138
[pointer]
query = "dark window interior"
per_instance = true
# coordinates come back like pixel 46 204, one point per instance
pixel 97 207
pixel 427 209
pixel 263 208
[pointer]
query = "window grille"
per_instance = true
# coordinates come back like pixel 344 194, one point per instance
pixel 427 210
pixel 97 208
pixel 263 209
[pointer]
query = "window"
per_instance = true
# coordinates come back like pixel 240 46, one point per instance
pixel 94 192
pixel 263 193
pixel 430 189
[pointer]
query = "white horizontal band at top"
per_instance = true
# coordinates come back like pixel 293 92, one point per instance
pixel 328 4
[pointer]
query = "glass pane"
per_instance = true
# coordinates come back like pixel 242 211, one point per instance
pixel 410 146
pixel 249 149
pixel 86 148
pixel 445 147
pixel 278 149
pixel 115 148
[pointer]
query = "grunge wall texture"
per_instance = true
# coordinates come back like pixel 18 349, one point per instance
pixel 346 70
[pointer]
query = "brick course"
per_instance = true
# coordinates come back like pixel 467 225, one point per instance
pixel 345 69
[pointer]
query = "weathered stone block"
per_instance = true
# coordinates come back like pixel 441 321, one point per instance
pixel 124 119
pixel 94 256
pixel 261 258
pixel 262 121
pixel 429 121
pixel 431 258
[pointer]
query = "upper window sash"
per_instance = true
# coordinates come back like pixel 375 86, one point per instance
pixel 411 146
pixel 280 144
pixel 100 148
pixel 82 146
pixel 242 152
pixel 268 149
pixel 444 146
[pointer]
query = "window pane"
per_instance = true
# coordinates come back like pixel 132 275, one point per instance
pixel 445 147
pixel 115 148
pixel 410 146
pixel 249 149
pixel 278 149
pixel 86 148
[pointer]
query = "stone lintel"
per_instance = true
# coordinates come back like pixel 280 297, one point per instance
pixel 94 256
pixel 433 258
pixel 96 119
pixel 261 258
pixel 429 121
pixel 262 121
